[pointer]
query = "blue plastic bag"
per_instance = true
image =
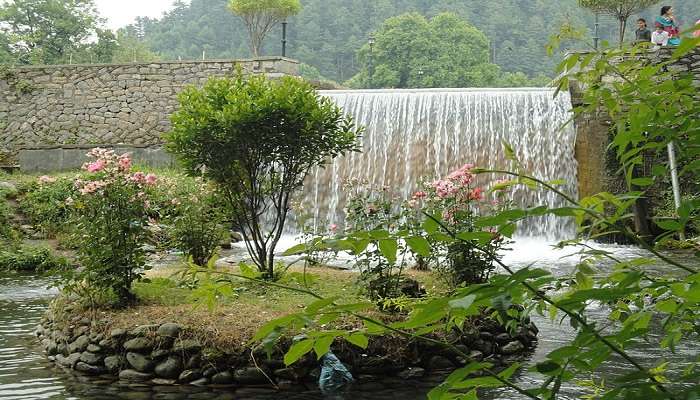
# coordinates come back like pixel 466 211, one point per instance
pixel 334 376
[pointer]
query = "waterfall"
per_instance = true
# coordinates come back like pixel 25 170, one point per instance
pixel 411 135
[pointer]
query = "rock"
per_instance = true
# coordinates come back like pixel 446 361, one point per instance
pixel 225 244
pixel 169 330
pixel 163 382
pixel 513 347
pixel 89 369
pixel 486 336
pixel 503 338
pixel 186 346
pixel 189 376
pixel 476 355
pixel 209 372
pixel 292 374
pixel 250 376
pixel 160 353
pixel 222 378
pixel 140 362
pixel 108 344
pixel 485 347
pixel 8 187
pixel 117 333
pixel 194 362
pixel 170 368
pixel 134 376
pixel 143 330
pixel 52 348
pixel 138 344
pixel 81 330
pixel 236 237
pixel 412 373
pixel 114 363
pixel 68 362
pixel 93 348
pixel 79 345
pixel 440 363
pixel 90 358
pixel 200 382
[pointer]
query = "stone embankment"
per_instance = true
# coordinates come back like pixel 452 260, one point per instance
pixel 168 354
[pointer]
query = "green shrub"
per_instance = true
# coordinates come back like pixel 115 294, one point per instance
pixel 197 226
pixel 30 259
pixel 257 139
pixel 7 234
pixel 45 203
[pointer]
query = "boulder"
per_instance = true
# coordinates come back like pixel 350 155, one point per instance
pixel 169 330
pixel 187 346
pixel 89 369
pixel 440 363
pixel 189 376
pixel 503 338
pixel 134 376
pixel 250 376
pixel 138 344
pixel 170 368
pixel 513 347
pixel 412 373
pixel 93 348
pixel 222 378
pixel 91 358
pixel 79 345
pixel 114 363
pixel 140 362
pixel 68 362
pixel 117 333
pixel 143 330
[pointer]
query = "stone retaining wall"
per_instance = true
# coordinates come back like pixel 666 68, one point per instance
pixel 104 103
pixel 168 354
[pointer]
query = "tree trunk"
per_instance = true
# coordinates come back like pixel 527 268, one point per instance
pixel 623 28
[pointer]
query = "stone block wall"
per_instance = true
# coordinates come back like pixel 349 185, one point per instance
pixel 108 104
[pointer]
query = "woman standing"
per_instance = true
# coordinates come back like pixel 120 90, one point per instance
pixel 667 22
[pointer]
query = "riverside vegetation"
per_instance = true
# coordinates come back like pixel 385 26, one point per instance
pixel 483 301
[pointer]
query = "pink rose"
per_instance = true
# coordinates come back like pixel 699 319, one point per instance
pixel 138 177
pixel 151 179
pixel 124 163
pixel 333 228
pixel 96 166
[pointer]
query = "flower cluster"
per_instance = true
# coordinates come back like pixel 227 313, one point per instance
pixel 458 185
pixel 109 169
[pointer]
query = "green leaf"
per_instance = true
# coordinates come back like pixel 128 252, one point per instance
pixel 298 350
pixel 419 245
pixel 430 226
pixel 322 345
pixel 358 339
pixel 547 367
pixel 642 181
pixel 296 250
pixel 669 225
pixel 248 271
pixel 389 247
pixel 463 303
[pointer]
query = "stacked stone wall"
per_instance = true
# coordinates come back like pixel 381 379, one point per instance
pixel 51 106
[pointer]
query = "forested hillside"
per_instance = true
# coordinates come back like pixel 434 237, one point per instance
pixel 327 34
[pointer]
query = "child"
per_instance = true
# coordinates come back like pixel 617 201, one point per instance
pixel 660 37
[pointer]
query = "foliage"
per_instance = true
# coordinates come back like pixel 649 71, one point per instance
pixel 261 16
pixel 44 203
pixel 30 259
pixel 620 9
pixel 411 51
pixel 197 226
pixel 7 234
pixel 46 31
pixel 111 210
pixel 131 48
pixel 257 139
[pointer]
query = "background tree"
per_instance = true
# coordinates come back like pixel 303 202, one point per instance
pixel 260 16
pixel 257 139
pixel 621 10
pixel 131 48
pixel 47 31
pixel 411 51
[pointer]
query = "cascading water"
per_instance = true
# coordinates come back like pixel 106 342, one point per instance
pixel 411 135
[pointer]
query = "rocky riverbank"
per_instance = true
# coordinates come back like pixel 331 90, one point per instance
pixel 169 354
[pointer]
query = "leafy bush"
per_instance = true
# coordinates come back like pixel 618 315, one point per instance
pixel 111 210
pixel 197 227
pixel 257 139
pixel 7 234
pixel 45 203
pixel 30 259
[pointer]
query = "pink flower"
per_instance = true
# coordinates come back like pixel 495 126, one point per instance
pixel 138 177
pixel 333 228
pixel 96 166
pixel 45 179
pixel 419 195
pixel 412 203
pixel 124 162
pixel 151 179
pixel 476 194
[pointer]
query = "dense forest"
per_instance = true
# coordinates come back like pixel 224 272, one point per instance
pixel 328 34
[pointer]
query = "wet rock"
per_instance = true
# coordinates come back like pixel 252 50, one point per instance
pixel 440 363
pixel 138 344
pixel 476 355
pixel 79 345
pixel 222 378
pixel 286 385
pixel 170 368
pixel 91 358
pixel 140 362
pixel 114 363
pixel 117 333
pixel 160 353
pixel 169 330
pixel 512 348
pixel 134 376
pixel 412 373
pixel 89 369
pixel 93 348
pixel 81 330
pixel 186 346
pixel 189 376
pixel 486 336
pixel 52 348
pixel 485 347
pixel 250 376
pixel 163 382
pixel 194 362
pixel 68 362
pixel 143 330
pixel 503 338
pixel 200 382
pixel 292 374
pixel 236 237
pixel 108 344
pixel 209 372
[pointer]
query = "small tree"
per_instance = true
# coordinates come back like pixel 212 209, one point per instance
pixel 620 9
pixel 260 16
pixel 258 139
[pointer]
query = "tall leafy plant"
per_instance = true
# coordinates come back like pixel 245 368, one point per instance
pixel 261 16
pixel 257 139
